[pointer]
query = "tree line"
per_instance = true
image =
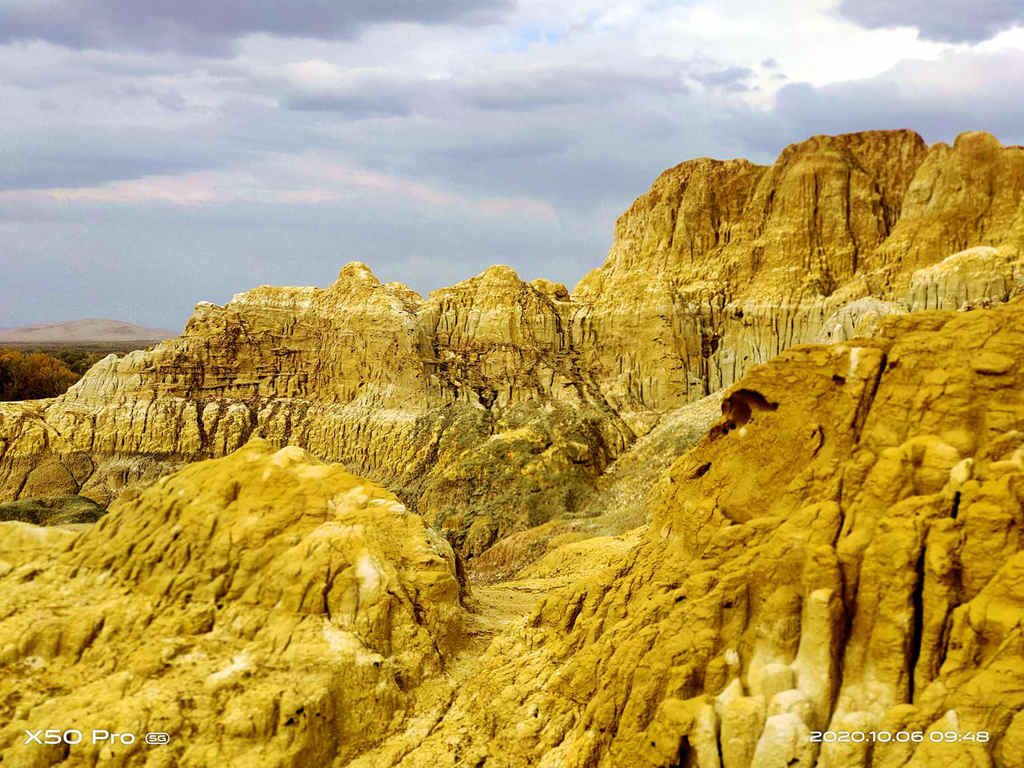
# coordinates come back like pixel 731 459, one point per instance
pixel 33 375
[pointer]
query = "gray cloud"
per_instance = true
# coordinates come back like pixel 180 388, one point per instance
pixel 730 78
pixel 211 27
pixel 63 155
pixel 938 99
pixel 950 21
pixel 84 161
pixel 362 96
pixel 443 162
pixel 378 94
pixel 572 85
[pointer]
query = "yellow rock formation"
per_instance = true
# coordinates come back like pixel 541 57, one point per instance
pixel 495 405
pixel 264 608
pixel 842 552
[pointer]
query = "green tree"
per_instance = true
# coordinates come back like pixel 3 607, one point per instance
pixel 32 376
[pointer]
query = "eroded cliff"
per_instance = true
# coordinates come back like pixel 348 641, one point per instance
pixel 496 405
pixel 842 551
pixel 740 262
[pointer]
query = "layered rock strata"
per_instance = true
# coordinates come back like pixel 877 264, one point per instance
pixel 496 404
pixel 465 404
pixel 740 262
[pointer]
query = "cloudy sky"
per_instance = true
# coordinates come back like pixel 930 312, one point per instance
pixel 154 153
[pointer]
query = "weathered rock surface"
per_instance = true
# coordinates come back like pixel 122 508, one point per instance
pixel 842 551
pixel 264 608
pixel 739 262
pixel 619 503
pixel 454 402
pixel 496 405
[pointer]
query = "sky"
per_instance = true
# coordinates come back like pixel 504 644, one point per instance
pixel 156 153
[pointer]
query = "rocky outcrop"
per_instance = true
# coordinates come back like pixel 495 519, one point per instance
pixel 619 502
pixel 841 552
pixel 977 277
pixel 739 262
pixel 465 404
pixel 495 405
pixel 264 608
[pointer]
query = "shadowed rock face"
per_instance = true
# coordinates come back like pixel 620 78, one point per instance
pixel 497 404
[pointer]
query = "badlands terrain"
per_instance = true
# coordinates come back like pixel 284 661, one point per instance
pixel 757 477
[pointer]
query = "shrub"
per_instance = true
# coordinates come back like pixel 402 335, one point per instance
pixel 32 376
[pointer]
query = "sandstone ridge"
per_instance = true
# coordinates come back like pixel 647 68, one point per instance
pixel 496 404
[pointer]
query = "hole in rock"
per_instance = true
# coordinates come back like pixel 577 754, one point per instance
pixel 740 406
pixel 700 471
pixel 684 749
pixel 838 379
pixel 485 396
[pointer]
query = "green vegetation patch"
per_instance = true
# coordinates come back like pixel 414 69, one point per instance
pixel 33 375
pixel 34 371
pixel 59 510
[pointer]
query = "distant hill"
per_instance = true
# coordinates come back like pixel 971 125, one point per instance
pixel 88 330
